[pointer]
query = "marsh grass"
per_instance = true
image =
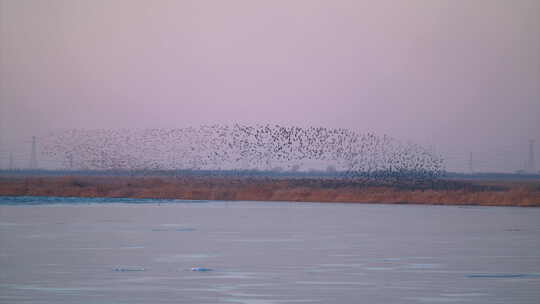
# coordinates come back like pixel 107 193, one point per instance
pixel 440 192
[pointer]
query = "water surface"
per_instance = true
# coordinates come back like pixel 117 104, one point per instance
pixel 76 250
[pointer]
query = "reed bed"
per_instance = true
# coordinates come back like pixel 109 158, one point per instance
pixel 485 193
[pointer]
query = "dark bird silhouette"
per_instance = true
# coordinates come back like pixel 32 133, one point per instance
pixel 245 149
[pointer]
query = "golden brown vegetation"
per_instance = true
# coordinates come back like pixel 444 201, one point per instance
pixel 492 193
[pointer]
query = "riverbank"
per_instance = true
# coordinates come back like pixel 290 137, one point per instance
pixel 484 193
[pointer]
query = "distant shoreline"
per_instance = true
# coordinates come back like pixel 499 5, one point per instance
pixel 477 176
pixel 445 192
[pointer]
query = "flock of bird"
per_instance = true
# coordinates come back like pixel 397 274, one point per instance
pixel 243 147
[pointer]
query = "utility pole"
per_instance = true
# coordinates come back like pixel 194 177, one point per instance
pixel 33 157
pixel 471 163
pixel 531 165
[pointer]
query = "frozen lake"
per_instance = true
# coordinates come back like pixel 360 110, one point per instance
pixel 78 250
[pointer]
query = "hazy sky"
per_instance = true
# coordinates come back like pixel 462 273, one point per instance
pixel 457 75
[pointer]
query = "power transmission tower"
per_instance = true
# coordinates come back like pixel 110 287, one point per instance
pixel 531 164
pixel 471 163
pixel 33 157
pixel 70 159
pixel 11 163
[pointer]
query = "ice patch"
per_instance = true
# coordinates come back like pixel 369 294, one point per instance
pixel 504 275
pixel 201 269
pixel 129 269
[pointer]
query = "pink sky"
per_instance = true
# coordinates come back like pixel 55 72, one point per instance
pixel 458 75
